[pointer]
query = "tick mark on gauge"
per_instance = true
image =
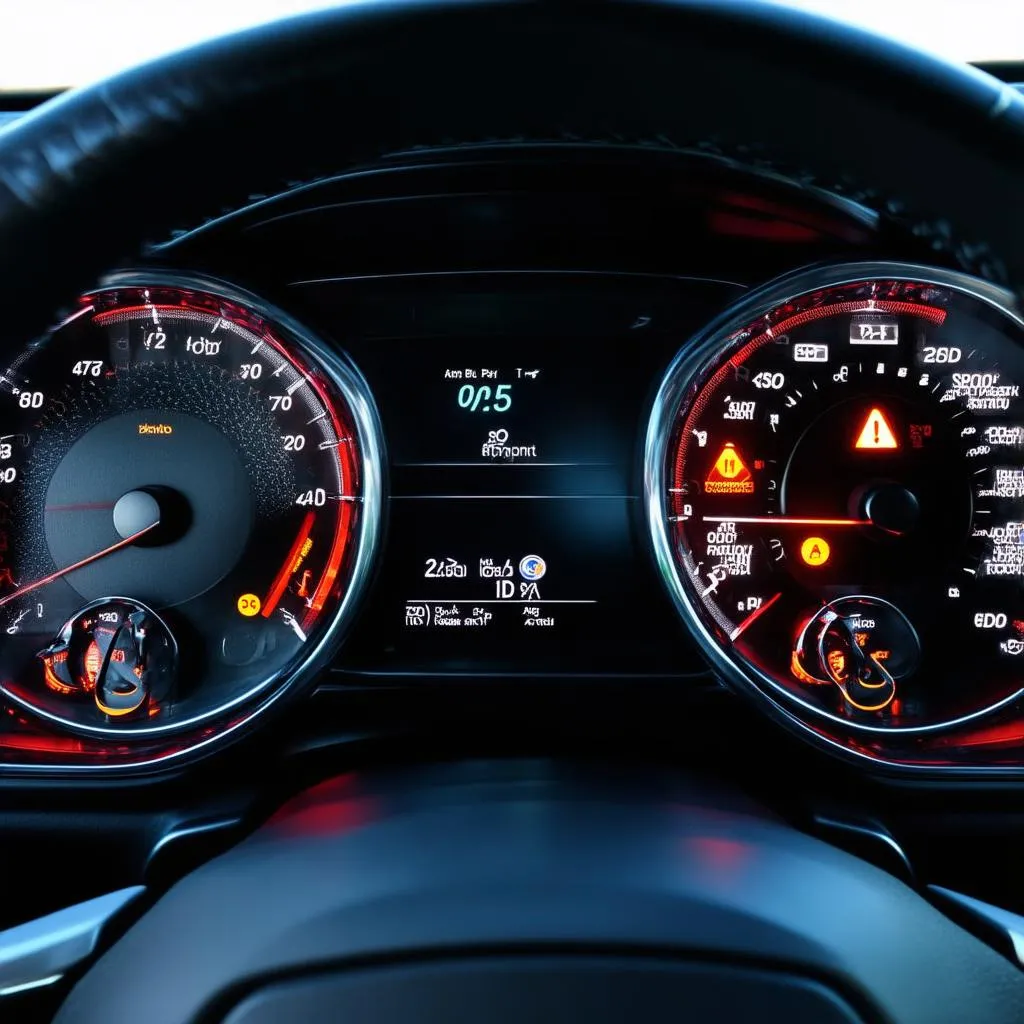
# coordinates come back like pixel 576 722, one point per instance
pixel 326 445
pixel 256 348
pixel 292 388
pixel 317 419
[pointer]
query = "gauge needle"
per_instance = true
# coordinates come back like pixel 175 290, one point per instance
pixel 125 542
pixel 753 617
pixel 786 521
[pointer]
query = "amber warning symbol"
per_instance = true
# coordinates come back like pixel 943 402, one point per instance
pixel 876 432
pixel 729 474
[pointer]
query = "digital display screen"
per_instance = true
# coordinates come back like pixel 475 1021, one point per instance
pixel 556 411
pixel 514 422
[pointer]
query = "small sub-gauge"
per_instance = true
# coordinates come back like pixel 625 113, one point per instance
pixel 116 651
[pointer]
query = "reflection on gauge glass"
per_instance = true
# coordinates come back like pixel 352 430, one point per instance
pixel 836 478
pixel 187 502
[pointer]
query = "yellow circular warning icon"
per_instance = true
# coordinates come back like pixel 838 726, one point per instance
pixel 815 551
pixel 249 605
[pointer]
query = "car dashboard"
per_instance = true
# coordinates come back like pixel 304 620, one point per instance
pixel 490 337
pixel 531 452
pixel 496 420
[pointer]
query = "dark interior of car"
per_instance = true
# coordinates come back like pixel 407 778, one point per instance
pixel 514 511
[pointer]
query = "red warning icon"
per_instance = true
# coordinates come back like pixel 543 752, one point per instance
pixel 876 432
pixel 729 474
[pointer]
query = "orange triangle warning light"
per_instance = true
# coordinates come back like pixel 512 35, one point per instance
pixel 876 432
pixel 729 474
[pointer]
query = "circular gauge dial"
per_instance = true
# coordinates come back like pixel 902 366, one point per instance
pixel 838 496
pixel 182 506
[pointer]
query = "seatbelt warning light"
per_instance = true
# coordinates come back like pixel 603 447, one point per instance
pixel 876 432
pixel 729 474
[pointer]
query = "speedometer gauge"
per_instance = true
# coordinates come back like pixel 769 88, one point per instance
pixel 836 493
pixel 189 501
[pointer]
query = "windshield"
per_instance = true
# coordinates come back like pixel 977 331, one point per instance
pixel 53 43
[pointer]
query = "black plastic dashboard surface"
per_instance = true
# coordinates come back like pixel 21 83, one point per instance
pixel 512 409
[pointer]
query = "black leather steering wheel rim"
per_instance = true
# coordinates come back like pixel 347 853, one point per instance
pixel 92 177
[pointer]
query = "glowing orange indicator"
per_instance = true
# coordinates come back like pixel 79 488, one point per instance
pixel 729 474
pixel 837 663
pixel 51 680
pixel 876 432
pixel 291 564
pixel 815 551
pixel 92 663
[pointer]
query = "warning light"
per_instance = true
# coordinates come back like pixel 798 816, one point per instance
pixel 876 432
pixel 249 605
pixel 729 474
pixel 815 551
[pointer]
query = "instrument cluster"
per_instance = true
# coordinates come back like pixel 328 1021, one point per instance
pixel 205 503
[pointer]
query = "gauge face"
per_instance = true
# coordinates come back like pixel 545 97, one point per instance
pixel 182 514
pixel 838 497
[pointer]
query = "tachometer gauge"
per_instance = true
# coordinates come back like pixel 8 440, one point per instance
pixel 836 494
pixel 189 493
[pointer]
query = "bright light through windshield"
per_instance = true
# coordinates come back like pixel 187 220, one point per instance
pixel 48 43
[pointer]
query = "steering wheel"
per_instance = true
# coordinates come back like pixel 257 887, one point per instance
pixel 437 899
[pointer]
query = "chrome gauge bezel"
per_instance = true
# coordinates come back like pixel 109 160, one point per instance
pixel 351 385
pixel 682 381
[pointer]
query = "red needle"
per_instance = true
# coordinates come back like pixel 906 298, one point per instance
pixel 753 617
pixel 29 587
pixel 786 521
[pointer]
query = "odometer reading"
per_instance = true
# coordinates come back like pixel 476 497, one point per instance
pixel 843 486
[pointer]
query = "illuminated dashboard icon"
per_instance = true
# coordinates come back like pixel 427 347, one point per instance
pixel 532 567
pixel 729 474
pixel 876 432
pixel 815 551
